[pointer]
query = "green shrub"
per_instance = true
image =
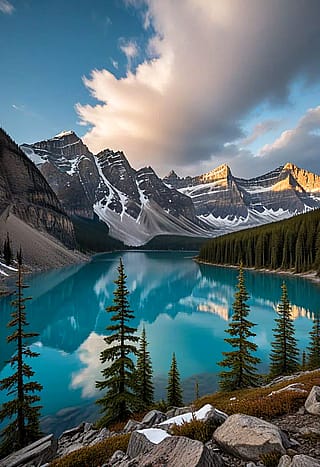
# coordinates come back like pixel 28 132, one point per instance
pixel 92 456
pixel 271 459
pixel 199 430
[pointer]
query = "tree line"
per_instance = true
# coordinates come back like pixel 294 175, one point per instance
pixel 292 244
pixel 126 382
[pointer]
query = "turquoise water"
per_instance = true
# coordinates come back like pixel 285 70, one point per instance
pixel 185 309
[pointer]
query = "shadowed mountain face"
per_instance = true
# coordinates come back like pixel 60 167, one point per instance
pixel 26 196
pixel 137 205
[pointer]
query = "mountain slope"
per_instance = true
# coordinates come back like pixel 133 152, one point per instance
pixel 135 205
pixel 29 209
pixel 229 203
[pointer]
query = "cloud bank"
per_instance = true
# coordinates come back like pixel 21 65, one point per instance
pixel 208 63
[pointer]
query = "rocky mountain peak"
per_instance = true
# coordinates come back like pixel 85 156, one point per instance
pixel 221 173
pixel 171 175
pixel 307 180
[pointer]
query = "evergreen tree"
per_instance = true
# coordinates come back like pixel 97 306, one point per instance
pixel 314 347
pixel 241 363
pixel 284 353
pixel 304 361
pixel 7 252
pixel 196 389
pixel 24 426
pixel 143 375
pixel 119 401
pixel 174 391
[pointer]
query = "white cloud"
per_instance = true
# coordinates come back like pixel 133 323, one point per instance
pixel 209 63
pixel 6 7
pixel 130 49
pixel 260 129
pixel 299 145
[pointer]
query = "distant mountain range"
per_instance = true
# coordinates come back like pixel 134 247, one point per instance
pixel 137 205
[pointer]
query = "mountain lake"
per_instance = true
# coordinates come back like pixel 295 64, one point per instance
pixel 185 308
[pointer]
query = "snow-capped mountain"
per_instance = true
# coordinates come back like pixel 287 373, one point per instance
pixel 229 203
pixel 135 204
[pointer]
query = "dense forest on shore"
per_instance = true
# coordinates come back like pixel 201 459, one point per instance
pixel 291 244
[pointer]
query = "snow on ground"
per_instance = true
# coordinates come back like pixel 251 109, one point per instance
pixel 155 435
pixel 63 133
pixel 187 417
pixel 4 269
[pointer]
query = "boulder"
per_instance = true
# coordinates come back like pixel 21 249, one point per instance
pixel 216 416
pixel 116 457
pixel 133 425
pixel 180 451
pixel 299 460
pixel 285 461
pixel 38 453
pixel 73 432
pixel 249 437
pixel 153 418
pixel 174 411
pixel 138 443
pixel 312 404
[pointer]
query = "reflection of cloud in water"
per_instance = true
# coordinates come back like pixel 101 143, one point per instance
pixel 298 312
pixel 261 339
pixel 207 306
pixel 88 353
pixel 210 307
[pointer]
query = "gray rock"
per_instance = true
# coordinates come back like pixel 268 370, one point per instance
pixel 216 416
pixel 138 444
pixel 89 436
pixel 102 434
pixel 73 432
pixel 133 425
pixel 87 427
pixel 180 451
pixel 285 461
pixel 153 418
pixel 116 457
pixel 312 404
pixel 37 453
pixel 301 460
pixel 249 437
pixel 177 411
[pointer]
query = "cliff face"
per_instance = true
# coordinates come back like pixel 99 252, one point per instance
pixel 69 167
pixel 25 193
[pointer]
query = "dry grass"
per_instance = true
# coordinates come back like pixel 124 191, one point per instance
pixel 92 456
pixel 257 401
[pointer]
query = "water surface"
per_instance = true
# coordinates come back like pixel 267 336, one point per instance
pixel 185 308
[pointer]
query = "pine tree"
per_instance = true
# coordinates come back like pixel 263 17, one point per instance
pixel 196 389
pixel 284 353
pixel 174 391
pixel 241 363
pixel 143 375
pixel 119 401
pixel 314 346
pixel 304 361
pixel 7 252
pixel 24 427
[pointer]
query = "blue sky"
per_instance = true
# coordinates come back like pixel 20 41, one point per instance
pixel 185 85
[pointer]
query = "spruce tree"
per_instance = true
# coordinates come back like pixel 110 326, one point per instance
pixel 119 401
pixel 284 353
pixel 7 252
pixel 21 410
pixel 314 346
pixel 174 391
pixel 143 375
pixel 241 363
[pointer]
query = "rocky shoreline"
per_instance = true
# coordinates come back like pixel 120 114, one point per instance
pixel 238 440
